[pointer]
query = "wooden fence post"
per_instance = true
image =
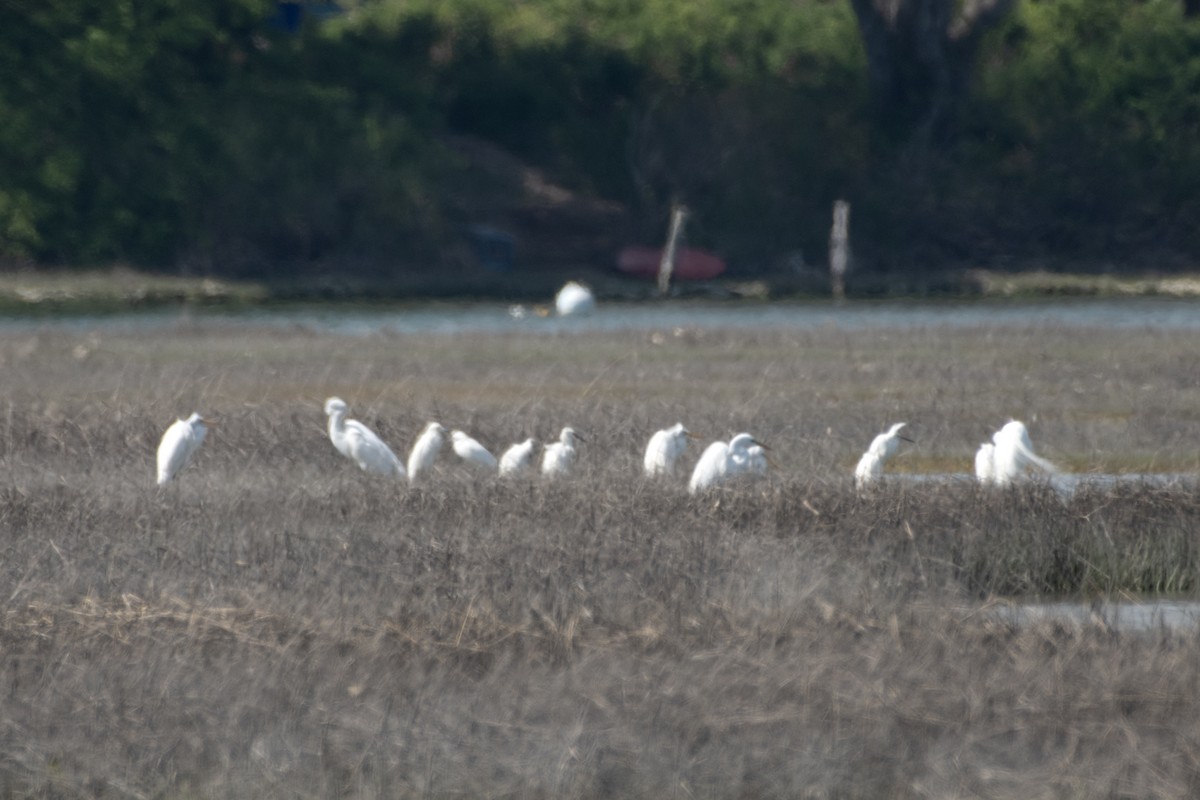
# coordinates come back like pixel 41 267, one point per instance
pixel 839 249
pixel 666 266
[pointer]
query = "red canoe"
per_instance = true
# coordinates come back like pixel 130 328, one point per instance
pixel 690 264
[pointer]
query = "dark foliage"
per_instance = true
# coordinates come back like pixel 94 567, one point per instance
pixel 207 140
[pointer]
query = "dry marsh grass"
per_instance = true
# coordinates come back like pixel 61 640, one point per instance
pixel 277 624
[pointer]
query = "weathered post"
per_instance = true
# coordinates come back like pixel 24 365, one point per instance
pixel 839 249
pixel 666 266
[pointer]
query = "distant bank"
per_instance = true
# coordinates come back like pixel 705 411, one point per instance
pixel 122 289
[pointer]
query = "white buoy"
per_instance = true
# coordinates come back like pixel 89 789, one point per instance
pixel 574 299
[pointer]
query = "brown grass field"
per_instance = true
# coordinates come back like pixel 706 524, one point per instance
pixel 277 624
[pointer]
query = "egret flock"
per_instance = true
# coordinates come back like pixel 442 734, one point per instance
pixel 999 462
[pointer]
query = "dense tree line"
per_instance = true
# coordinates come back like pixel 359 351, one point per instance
pixel 207 137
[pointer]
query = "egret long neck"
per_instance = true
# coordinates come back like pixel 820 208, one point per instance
pixel 337 424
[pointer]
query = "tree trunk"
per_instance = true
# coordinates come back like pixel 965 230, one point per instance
pixel 920 59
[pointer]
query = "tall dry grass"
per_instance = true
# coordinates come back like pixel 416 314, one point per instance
pixel 277 624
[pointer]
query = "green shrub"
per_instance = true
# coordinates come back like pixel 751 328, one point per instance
pixel 1098 103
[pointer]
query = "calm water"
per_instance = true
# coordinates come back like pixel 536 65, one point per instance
pixel 1066 483
pixel 449 318
pixel 1125 615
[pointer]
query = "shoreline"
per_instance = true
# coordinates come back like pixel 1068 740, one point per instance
pixel 121 289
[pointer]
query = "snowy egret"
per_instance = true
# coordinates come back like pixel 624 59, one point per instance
pixel 883 447
pixel 985 470
pixel 1014 452
pixel 664 449
pixel 720 461
pixel 359 443
pixel 517 458
pixel 425 451
pixel 179 444
pixel 472 451
pixel 558 457
pixel 573 299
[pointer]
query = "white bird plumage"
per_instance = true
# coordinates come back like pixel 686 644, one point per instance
pixel 573 299
pixel 472 452
pixel 664 449
pixel 883 447
pixel 425 451
pixel 517 458
pixel 180 442
pixel 754 463
pixel 721 461
pixel 1013 452
pixel 559 457
pixel 359 443
pixel 985 471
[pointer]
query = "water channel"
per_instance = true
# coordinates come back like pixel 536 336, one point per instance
pixel 496 318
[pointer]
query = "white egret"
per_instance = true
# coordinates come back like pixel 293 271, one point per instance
pixel 573 299
pixel 883 447
pixel 664 449
pixel 721 461
pixel 558 458
pixel 472 451
pixel 335 409
pixel 180 442
pixel 756 461
pixel 985 469
pixel 425 451
pixel 359 443
pixel 1014 452
pixel 517 458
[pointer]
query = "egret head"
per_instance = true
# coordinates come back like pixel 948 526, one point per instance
pixel 196 419
pixel 569 436
pixel 1014 425
pixel 895 431
pixel 335 405
pixel 744 441
pixel 1013 428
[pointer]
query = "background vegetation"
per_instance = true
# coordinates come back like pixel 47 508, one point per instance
pixel 215 140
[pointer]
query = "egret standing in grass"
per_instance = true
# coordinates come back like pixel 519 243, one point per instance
pixel 721 461
pixel 574 299
pixel 664 449
pixel 559 457
pixel 517 458
pixel 359 443
pixel 472 452
pixel 180 442
pixel 985 469
pixel 1014 452
pixel 425 451
pixel 883 447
